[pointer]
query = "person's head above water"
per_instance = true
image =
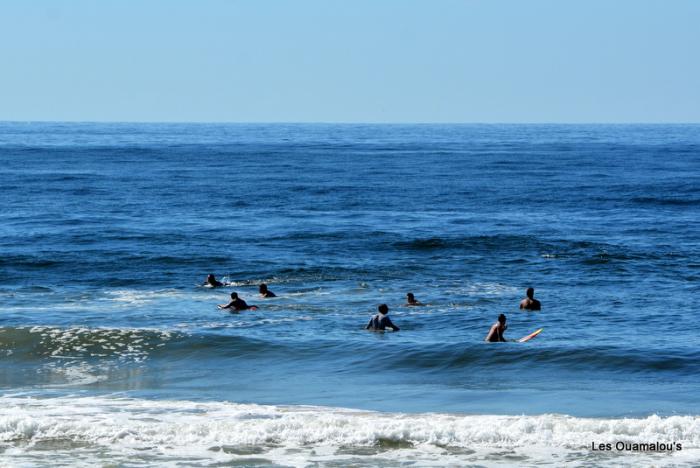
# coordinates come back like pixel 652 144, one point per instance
pixel 530 292
pixel 211 278
pixel 383 309
pixel 234 295
pixel 410 297
pixel 502 319
pixel 262 288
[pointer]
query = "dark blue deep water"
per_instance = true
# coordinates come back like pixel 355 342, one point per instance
pixel 106 231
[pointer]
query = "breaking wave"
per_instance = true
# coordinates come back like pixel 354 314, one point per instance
pixel 301 435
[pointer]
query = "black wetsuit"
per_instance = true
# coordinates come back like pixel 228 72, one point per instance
pixel 380 322
pixel 240 304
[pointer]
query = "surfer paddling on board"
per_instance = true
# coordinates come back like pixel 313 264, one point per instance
pixel 497 329
pixel 237 304
pixel 264 292
pixel 212 282
pixel 530 303
pixel 411 300
pixel 381 321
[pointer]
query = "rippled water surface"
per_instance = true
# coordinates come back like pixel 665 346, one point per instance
pixel 108 230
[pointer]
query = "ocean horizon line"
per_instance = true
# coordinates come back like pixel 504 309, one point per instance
pixel 340 123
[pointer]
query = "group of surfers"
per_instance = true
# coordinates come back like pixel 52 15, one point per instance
pixel 380 321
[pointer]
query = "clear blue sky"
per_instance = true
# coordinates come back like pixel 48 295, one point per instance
pixel 350 60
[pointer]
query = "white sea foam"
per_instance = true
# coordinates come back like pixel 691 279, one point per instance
pixel 129 297
pixel 118 299
pixel 482 289
pixel 168 431
pixel 74 373
pixel 124 343
pixel 233 323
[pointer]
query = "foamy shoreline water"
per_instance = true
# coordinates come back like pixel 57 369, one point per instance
pixel 84 430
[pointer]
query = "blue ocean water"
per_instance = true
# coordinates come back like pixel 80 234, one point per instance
pixel 108 230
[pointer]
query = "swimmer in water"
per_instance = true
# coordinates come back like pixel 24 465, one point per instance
pixel 264 292
pixel 212 282
pixel 530 303
pixel 236 304
pixel 497 329
pixel 381 321
pixel 411 300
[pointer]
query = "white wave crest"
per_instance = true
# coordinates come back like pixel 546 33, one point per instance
pixel 75 342
pixel 130 297
pixel 167 431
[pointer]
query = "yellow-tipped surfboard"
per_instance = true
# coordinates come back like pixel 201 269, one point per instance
pixel 530 336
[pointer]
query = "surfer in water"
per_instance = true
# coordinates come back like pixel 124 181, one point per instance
pixel 530 303
pixel 381 321
pixel 264 292
pixel 411 300
pixel 212 282
pixel 236 304
pixel 497 329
